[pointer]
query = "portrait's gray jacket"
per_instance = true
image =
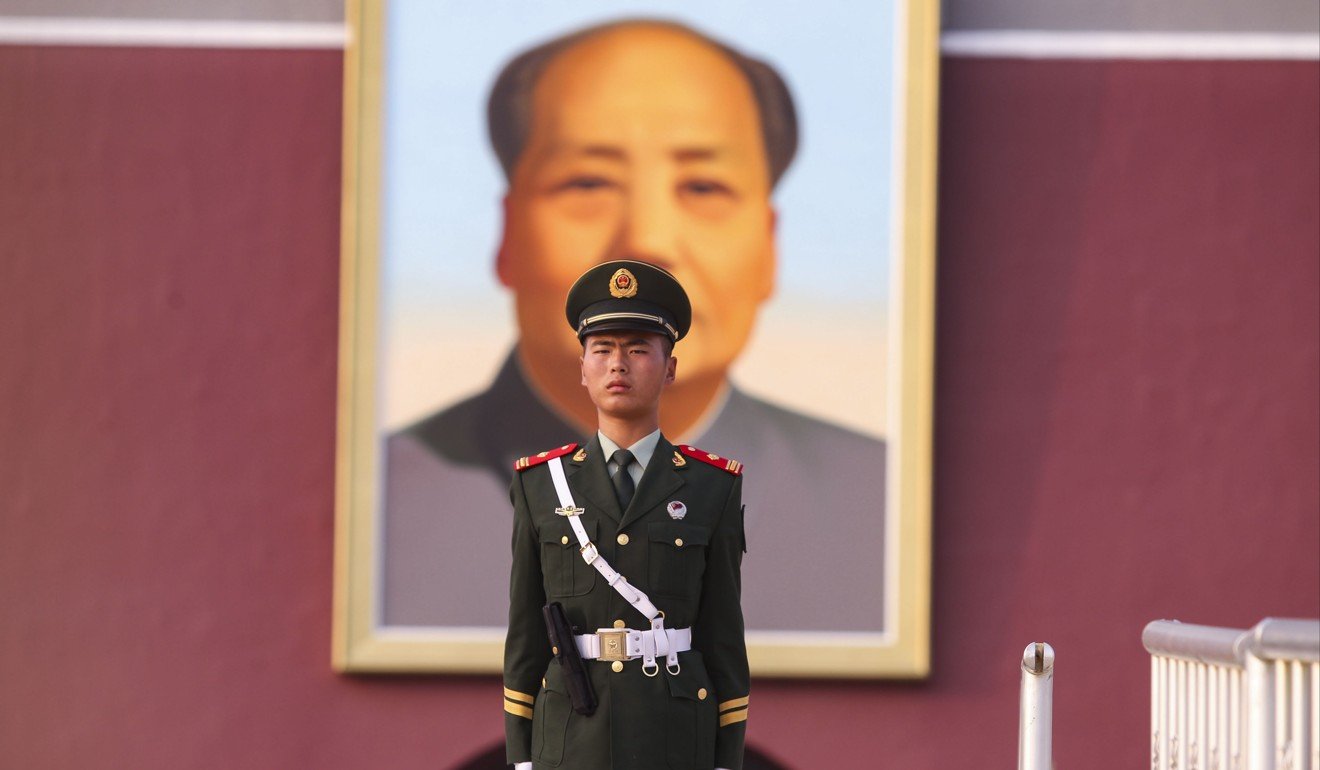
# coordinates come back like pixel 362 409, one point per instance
pixel 815 497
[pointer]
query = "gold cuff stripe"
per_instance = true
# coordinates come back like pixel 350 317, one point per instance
pixel 517 710
pixel 733 704
pixel 530 700
pixel 739 715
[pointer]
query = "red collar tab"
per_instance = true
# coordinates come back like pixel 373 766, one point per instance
pixel 524 463
pixel 710 458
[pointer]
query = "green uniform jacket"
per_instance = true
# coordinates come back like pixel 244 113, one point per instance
pixel 690 569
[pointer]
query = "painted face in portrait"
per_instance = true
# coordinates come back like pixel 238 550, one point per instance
pixel 645 144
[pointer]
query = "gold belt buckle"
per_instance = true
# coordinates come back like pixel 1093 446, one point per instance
pixel 613 644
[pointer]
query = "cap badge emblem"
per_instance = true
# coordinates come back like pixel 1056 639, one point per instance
pixel 676 510
pixel 623 284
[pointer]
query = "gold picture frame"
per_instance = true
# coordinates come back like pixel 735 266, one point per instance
pixel 362 642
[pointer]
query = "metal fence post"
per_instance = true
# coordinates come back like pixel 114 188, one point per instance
pixel 1035 725
pixel 1260 714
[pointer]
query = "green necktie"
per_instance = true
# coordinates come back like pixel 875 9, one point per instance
pixel 623 483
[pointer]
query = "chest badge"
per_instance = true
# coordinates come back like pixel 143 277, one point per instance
pixel 676 510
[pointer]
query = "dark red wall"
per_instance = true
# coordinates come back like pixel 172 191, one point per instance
pixel 1127 424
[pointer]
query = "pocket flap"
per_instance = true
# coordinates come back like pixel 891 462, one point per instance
pixel 554 678
pixel 678 534
pixel 560 530
pixel 689 684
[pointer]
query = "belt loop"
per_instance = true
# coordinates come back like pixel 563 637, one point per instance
pixel 662 646
pixel 649 666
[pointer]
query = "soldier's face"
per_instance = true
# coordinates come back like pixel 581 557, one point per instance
pixel 645 144
pixel 625 372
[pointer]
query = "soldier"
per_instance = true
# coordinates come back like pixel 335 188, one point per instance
pixel 637 544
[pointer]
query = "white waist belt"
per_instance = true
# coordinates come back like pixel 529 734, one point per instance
pixel 630 644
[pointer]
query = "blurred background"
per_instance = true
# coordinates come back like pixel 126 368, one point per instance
pixel 1127 420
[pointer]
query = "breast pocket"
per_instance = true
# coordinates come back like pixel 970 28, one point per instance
pixel 562 568
pixel 678 558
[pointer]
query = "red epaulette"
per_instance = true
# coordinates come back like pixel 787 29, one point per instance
pixel 710 458
pixel 524 463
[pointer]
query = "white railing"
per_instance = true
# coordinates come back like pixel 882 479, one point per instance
pixel 1036 717
pixel 1228 699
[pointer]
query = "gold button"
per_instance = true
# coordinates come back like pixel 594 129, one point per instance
pixel 617 666
pixel 701 694
pixel 564 539
pixel 622 539
pixel 542 684
pixel 678 541
pixel 554 650
pixel 618 624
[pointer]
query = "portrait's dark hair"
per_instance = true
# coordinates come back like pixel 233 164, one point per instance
pixel 509 109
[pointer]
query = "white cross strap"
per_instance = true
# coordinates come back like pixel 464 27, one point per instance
pixel 628 591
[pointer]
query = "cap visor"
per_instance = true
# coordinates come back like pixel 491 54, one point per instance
pixel 623 324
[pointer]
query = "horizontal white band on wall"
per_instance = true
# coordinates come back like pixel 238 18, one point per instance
pixel 1034 44
pixel 172 33
pixel 1012 44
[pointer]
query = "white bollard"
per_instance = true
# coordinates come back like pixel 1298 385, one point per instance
pixel 1035 723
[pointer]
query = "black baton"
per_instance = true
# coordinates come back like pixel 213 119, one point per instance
pixel 580 691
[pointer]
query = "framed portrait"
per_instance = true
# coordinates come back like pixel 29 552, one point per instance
pixel 779 159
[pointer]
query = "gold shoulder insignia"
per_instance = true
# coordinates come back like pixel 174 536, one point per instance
pixel 710 458
pixel 524 463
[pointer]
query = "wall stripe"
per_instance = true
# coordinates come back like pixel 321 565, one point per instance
pixel 1032 44
pixel 171 33
pixel 1012 44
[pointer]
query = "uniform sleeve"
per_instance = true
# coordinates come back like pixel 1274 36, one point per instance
pixel 526 647
pixel 718 631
